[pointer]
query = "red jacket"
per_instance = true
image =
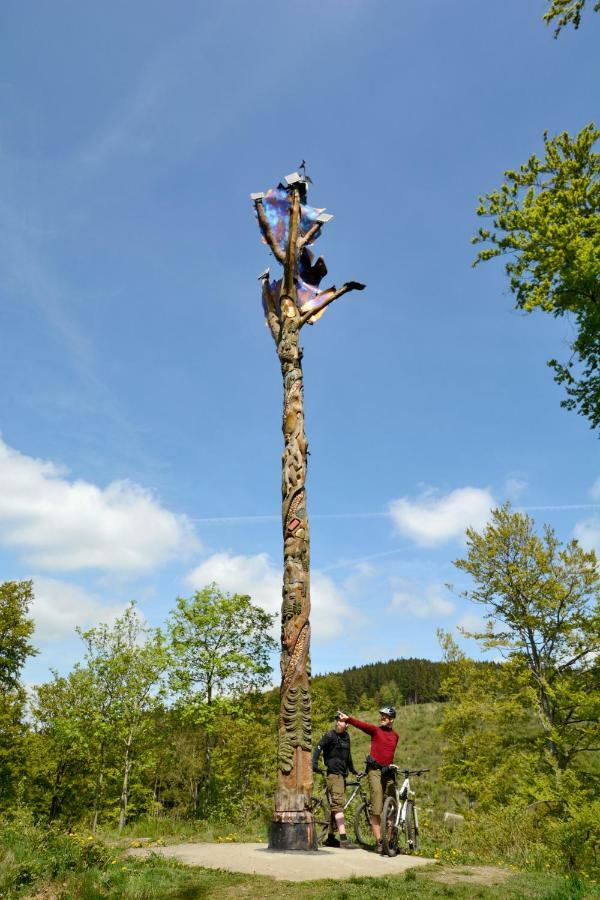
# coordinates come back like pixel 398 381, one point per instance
pixel 383 741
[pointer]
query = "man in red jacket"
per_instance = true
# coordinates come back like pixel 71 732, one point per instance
pixel 383 747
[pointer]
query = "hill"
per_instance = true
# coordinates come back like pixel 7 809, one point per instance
pixel 405 680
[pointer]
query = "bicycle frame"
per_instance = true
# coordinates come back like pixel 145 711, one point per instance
pixel 405 796
pixel 402 797
pixel 358 789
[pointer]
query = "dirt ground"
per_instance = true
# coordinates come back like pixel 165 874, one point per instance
pixel 486 875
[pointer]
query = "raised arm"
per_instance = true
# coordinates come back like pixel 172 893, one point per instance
pixel 362 726
pixel 329 298
pixel 310 235
pixel 265 228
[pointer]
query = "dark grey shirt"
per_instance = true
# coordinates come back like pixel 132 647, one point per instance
pixel 336 753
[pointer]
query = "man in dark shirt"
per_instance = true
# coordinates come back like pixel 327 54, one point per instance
pixel 335 747
pixel 383 747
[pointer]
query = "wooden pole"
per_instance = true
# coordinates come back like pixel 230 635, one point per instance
pixel 292 826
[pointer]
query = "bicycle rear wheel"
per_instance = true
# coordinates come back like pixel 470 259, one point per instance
pixel 389 830
pixel 362 825
pixel 321 818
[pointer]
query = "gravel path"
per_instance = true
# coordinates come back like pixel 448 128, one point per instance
pixel 257 859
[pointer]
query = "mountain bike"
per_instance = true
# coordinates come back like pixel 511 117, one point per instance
pixel 321 810
pixel 399 820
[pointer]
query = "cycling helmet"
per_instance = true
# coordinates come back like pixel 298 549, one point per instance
pixel 388 711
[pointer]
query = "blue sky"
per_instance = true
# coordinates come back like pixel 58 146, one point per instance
pixel 140 415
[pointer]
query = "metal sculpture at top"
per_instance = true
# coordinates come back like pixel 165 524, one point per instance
pixel 289 227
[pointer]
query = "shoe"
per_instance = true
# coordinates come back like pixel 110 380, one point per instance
pixel 348 845
pixel 379 847
pixel 331 841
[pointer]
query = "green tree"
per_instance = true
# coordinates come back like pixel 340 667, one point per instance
pixel 567 12
pixel 541 601
pixel 328 694
pixel 389 694
pixel 62 710
pixel 546 218
pixel 247 758
pixel 220 648
pixel 16 628
pixel 487 752
pixel 126 661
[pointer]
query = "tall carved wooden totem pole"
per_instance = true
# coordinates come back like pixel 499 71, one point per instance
pixel 289 227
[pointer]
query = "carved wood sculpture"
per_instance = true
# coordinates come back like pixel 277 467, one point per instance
pixel 288 227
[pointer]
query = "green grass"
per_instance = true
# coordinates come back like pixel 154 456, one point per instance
pixel 158 878
pixel 49 865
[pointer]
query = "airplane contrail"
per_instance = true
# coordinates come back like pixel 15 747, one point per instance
pixel 376 515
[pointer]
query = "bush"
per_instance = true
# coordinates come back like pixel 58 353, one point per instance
pixel 30 855
pixel 540 840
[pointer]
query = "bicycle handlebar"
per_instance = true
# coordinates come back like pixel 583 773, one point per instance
pixel 410 771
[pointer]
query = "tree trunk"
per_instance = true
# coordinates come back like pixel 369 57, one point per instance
pixel 156 793
pixel 125 786
pixel 98 792
pixel 206 794
pixel 292 821
pixel 55 801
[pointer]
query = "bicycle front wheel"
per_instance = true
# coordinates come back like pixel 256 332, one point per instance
pixel 362 825
pixel 411 830
pixel 321 818
pixel 389 830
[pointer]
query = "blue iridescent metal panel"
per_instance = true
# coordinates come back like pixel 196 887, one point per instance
pixel 276 204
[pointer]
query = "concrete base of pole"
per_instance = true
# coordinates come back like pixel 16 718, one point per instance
pixel 294 833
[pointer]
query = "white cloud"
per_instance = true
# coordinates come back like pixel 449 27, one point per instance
pixel 66 525
pixel 514 487
pixel 472 622
pixel 362 572
pixel 258 577
pixel 426 602
pixel 433 518
pixel 588 533
pixel 59 607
